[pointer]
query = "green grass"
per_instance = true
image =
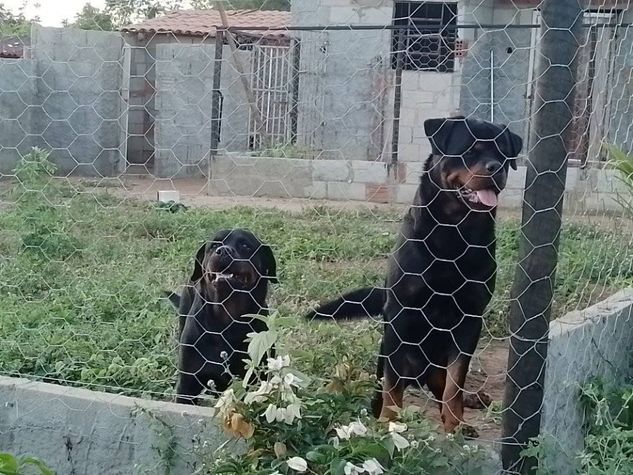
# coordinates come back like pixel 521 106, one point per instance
pixel 81 276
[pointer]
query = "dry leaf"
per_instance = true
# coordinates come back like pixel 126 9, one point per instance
pixel 280 449
pixel 237 426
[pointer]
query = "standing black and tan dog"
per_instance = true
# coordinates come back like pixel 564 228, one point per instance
pixel 229 282
pixel 442 273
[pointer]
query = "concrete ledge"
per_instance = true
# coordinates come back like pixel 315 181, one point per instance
pixel 77 431
pixel 595 342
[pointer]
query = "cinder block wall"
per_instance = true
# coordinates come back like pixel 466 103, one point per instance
pixel 184 85
pixel 66 99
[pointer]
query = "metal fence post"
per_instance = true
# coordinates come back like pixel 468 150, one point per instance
pixel 533 285
pixel 397 98
pixel 216 112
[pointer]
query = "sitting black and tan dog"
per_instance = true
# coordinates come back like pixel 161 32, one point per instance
pixel 228 285
pixel 442 272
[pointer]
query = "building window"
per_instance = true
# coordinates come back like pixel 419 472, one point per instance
pixel 427 41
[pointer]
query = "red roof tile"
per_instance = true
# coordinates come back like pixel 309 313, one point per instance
pixel 204 22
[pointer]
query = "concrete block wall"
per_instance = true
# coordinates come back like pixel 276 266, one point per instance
pixel 65 99
pixel 79 102
pixel 352 71
pixel 509 66
pixel 184 82
pixel 18 109
pixel 592 190
pixel 77 431
pixel 595 342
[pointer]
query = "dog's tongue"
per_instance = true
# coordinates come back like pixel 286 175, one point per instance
pixel 487 197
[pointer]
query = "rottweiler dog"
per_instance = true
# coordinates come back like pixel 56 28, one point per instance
pixel 442 273
pixel 229 285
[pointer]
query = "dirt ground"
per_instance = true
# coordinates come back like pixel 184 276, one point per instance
pixel 487 374
pixel 193 193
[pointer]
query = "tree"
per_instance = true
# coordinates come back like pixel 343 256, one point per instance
pixel 92 18
pixel 124 12
pixel 15 24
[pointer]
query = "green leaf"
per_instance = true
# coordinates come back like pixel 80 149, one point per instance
pixel 44 470
pixel 321 454
pixel 8 464
pixel 337 467
pixel 259 344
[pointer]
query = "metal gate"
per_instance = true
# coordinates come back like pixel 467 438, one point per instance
pixel 272 82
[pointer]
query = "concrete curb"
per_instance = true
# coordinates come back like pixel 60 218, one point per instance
pixel 78 431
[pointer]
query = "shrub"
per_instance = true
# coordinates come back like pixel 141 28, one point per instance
pixel 293 423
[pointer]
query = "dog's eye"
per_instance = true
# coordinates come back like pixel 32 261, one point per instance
pixel 245 246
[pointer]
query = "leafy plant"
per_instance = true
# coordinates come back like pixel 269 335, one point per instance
pixel 609 439
pixel 623 163
pixel 12 465
pixel 293 423
pixel 34 167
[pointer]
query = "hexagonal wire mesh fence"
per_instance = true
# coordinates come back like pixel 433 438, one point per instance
pixel 463 165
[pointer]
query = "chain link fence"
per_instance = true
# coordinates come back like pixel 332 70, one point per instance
pixel 124 155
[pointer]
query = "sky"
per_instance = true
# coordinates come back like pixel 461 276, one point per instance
pixel 52 12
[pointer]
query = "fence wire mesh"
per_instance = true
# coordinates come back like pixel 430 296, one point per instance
pixel 185 184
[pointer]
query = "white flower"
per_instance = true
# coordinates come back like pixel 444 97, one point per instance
pixel 399 441
pixel 297 464
pixel 258 396
pixel 415 444
pixel 450 436
pixel 351 469
pixel 396 428
pixel 283 414
pixel 291 380
pixel 275 364
pixel 355 428
pixel 373 467
pixel 270 413
pixel 292 412
pixel 226 402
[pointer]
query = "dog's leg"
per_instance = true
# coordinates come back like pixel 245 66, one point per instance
pixel 376 403
pixel 436 381
pixel 188 388
pixel 392 395
pixel 452 399
pixel 392 382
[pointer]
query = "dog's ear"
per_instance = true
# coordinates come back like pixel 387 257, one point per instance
pixel 270 263
pixel 197 264
pixel 511 145
pixel 439 133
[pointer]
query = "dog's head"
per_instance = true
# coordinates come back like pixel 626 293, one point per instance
pixel 471 157
pixel 234 259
